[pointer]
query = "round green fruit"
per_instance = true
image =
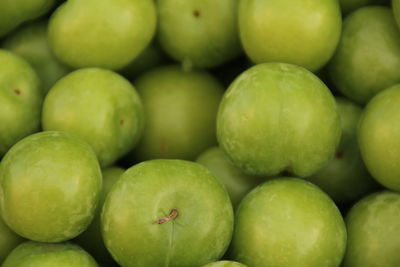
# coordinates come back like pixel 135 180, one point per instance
pixel 368 56
pixel 276 117
pixel 378 135
pixel 180 111
pixel 349 6
pixel 300 32
pixel 30 42
pixel 373 227
pixel 237 183
pixel 345 177
pixel 288 222
pixel 200 33
pixel 49 255
pixel 20 100
pixel 225 264
pixel 49 186
pixel 167 213
pixel 101 33
pixel 98 105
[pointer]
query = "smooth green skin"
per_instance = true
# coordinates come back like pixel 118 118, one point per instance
pixel 101 33
pixel 8 240
pixel 225 264
pixel 15 12
pixel 301 32
pixel 148 192
pixel 345 177
pixel 288 222
pixel 237 183
pixel 20 100
pixel 368 56
pixel 276 117
pixel 30 42
pixel 91 240
pixel 200 33
pixel 180 111
pixel 99 106
pixel 31 254
pixel 396 11
pixel 378 135
pixel 349 6
pixel 373 227
pixel 49 186
pixel 151 57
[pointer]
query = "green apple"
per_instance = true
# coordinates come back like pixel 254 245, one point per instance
pixel 15 12
pixel 8 240
pixel 200 33
pixel 378 135
pixel 167 213
pixel 49 255
pixel 349 6
pixel 345 177
pixel 278 117
pixel 225 264
pixel 373 226
pixel 91 240
pixel 30 42
pixel 20 100
pixel 368 56
pixel 99 106
pixel 180 111
pixel 288 222
pixel 300 32
pixel 101 33
pixel 49 186
pixel 237 183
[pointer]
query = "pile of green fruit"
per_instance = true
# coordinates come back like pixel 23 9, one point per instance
pixel 200 133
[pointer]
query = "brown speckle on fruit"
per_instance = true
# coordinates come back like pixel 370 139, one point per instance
pixel 121 122
pixel 196 13
pixel 339 155
pixel 17 91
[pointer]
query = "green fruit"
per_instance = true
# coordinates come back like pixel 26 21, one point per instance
pixel 167 213
pixel 30 42
pixel 49 186
pixel 91 240
pixel 378 135
pixel 180 111
pixel 101 33
pixel 8 240
pixel 368 55
pixel 288 222
pixel 373 226
pixel 300 32
pixel 99 106
pixel 15 12
pixel 20 100
pixel 49 255
pixel 345 177
pixel 349 6
pixel 276 117
pixel 237 183
pixel 224 264
pixel 200 33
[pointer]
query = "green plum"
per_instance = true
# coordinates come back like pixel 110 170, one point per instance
pixel 180 111
pixel 101 33
pixel 99 106
pixel 15 12
pixel 288 222
pixel 237 183
pixel 278 117
pixel 20 100
pixel 378 135
pixel 30 42
pixel 225 264
pixel 49 186
pixel 300 32
pixel 345 177
pixel 30 254
pixel 200 33
pixel 8 240
pixel 368 56
pixel 373 226
pixel 167 213
pixel 91 240
pixel 349 6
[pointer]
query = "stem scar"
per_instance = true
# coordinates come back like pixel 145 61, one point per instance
pixel 173 214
